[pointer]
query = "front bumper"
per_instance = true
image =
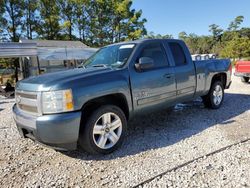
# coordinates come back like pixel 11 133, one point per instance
pixel 59 131
pixel 241 74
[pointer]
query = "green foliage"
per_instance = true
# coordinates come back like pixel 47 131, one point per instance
pixel 95 22
pixel 68 14
pixel 1 19
pixel 244 32
pixel 216 32
pixel 232 43
pixel 101 22
pixel 49 27
pixel 151 35
pixel 30 18
pixel 82 18
pixel 234 25
pixel 113 21
pixel 182 35
pixel 7 63
pixel 11 19
pixel 238 47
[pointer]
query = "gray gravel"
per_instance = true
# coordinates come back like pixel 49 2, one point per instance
pixel 154 144
pixel 229 168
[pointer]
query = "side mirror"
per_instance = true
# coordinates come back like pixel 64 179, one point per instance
pixel 144 63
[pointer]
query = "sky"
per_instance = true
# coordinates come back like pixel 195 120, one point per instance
pixel 191 16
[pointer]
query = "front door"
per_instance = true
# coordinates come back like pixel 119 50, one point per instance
pixel 154 87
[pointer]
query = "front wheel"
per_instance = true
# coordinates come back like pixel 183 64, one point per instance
pixel 104 130
pixel 215 96
pixel 244 79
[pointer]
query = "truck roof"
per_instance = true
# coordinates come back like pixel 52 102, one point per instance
pixel 144 40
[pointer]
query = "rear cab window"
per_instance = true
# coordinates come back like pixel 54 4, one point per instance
pixel 178 54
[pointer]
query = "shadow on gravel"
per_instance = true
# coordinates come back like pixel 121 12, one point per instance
pixel 3 102
pixel 161 129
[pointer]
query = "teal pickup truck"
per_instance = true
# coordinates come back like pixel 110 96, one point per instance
pixel 89 107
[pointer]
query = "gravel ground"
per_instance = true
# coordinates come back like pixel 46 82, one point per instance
pixel 155 144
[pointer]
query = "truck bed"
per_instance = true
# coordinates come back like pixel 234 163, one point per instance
pixel 206 69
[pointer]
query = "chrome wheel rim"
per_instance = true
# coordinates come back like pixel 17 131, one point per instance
pixel 217 95
pixel 107 130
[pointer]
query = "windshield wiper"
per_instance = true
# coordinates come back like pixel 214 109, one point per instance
pixel 81 66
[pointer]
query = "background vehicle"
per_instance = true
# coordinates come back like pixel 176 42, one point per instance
pixel 242 69
pixel 89 107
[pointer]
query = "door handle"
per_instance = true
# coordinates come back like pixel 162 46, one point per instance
pixel 168 76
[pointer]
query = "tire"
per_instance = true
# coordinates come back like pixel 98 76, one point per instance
pixel 244 79
pixel 215 96
pixel 110 124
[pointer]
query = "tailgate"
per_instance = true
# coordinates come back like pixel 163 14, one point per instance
pixel 243 67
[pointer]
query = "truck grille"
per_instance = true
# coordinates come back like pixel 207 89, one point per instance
pixel 27 101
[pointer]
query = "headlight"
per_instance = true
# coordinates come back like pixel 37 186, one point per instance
pixel 57 101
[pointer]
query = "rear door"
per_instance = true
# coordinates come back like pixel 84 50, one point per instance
pixel 184 70
pixel 155 87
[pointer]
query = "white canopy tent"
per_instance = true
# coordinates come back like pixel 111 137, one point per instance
pixel 40 56
pixel 15 49
pixel 65 53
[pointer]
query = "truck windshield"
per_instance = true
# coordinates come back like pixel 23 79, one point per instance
pixel 110 56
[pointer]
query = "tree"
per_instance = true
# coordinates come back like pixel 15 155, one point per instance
pixel 30 17
pixel 68 13
pixel 82 20
pixel 12 19
pixel 12 23
pixel 123 17
pixel 113 21
pixel 216 32
pixel 234 25
pixel 237 48
pixel 100 23
pixel 245 32
pixel 228 36
pixel 49 27
pixel 134 28
pixel 182 35
pixel 205 45
pixel 151 35
pixel 192 42
pixel 95 22
pixel 2 20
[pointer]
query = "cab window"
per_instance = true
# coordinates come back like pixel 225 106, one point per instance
pixel 178 54
pixel 157 52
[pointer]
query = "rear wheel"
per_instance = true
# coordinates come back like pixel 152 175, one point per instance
pixel 104 130
pixel 215 96
pixel 244 79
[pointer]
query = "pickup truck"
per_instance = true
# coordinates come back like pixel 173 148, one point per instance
pixel 242 69
pixel 88 108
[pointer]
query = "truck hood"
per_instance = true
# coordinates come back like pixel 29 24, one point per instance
pixel 46 81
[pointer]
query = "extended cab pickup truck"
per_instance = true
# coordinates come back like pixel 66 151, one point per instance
pixel 242 69
pixel 89 107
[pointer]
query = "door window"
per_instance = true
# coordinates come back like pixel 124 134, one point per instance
pixel 157 53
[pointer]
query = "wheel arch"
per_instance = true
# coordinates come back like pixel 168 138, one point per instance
pixel 219 77
pixel 117 99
